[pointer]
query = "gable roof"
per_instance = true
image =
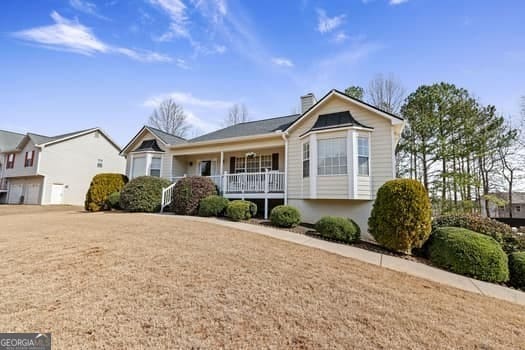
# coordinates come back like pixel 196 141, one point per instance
pixel 250 128
pixel 164 137
pixel 336 120
pixel 148 145
pixel 9 140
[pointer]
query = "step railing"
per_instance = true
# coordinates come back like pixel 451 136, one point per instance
pixel 167 197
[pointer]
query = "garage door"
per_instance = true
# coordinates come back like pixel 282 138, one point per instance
pixel 15 192
pixel 32 193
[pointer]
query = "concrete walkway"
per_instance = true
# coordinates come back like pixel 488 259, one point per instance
pixel 387 261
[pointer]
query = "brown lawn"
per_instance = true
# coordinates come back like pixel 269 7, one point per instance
pixel 133 281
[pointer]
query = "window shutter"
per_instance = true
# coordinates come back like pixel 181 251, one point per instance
pixel 275 161
pixel 25 160
pixel 232 165
pixel 13 161
pixel 32 157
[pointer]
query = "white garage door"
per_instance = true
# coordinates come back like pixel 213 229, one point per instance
pixel 15 192
pixel 32 193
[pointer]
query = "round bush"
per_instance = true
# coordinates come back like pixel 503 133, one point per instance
pixel 517 269
pixel 241 210
pixel 468 253
pixel 401 215
pixel 143 194
pixel 476 223
pixel 337 228
pixel 285 216
pixel 114 200
pixel 356 226
pixel 213 206
pixel 189 191
pixel 102 185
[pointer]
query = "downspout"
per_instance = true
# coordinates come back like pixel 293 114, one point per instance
pixel 283 135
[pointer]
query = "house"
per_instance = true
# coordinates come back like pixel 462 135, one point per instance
pixel 504 211
pixel 328 160
pixel 37 169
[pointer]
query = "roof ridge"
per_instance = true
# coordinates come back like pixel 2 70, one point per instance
pixel 260 120
pixel 12 132
pixel 167 133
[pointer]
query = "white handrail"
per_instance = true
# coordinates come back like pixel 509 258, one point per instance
pixel 167 197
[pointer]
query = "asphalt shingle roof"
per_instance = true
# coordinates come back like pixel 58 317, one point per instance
pixel 249 128
pixel 167 138
pixel 335 120
pixel 9 140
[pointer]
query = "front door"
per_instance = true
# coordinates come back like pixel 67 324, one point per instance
pixel 57 194
pixel 207 168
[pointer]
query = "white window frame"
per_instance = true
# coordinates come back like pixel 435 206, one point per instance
pixel 306 158
pixel 151 165
pixel 363 155
pixel 339 169
pixel 259 166
pixel 100 163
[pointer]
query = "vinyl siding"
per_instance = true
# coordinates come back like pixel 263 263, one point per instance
pixel 19 168
pixel 332 187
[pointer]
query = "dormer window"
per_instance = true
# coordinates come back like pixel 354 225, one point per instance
pixel 10 161
pixel 30 156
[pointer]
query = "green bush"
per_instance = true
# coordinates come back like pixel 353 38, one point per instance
pixel 102 185
pixel 241 210
pixel 356 226
pixel 468 253
pixel 143 194
pixel 513 242
pixel 401 215
pixel 337 228
pixel 285 216
pixel 517 269
pixel 189 191
pixel 114 200
pixel 213 206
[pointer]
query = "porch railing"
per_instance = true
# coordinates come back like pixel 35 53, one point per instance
pixel 240 183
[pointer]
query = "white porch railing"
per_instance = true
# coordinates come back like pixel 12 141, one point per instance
pixel 235 184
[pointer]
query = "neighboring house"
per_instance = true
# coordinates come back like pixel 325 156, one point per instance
pixel 38 169
pixel 329 160
pixel 504 211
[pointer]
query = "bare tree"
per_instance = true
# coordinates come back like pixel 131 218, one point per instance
pixel 170 117
pixel 386 93
pixel 238 113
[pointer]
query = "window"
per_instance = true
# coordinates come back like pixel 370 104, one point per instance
pixel 154 169
pixel 10 161
pixel 363 156
pixel 29 159
pixel 306 159
pixel 100 163
pixel 240 165
pixel 518 208
pixel 331 156
pixel 139 166
pixel 253 164
pixel 266 162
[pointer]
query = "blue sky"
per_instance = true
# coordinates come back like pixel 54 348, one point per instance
pixel 73 64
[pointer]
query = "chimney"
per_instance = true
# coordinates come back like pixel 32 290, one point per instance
pixel 307 101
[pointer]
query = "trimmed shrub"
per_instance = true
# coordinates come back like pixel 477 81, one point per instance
pixel 102 185
pixel 285 216
pixel 143 194
pixel 189 191
pixel 513 242
pixel 337 228
pixel 114 200
pixel 468 253
pixel 356 226
pixel 241 210
pixel 213 206
pixel 476 223
pixel 517 269
pixel 401 215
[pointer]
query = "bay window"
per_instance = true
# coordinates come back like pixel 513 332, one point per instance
pixel 331 156
pixel 154 169
pixel 306 159
pixel 363 156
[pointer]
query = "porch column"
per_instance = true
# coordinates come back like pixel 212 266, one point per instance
pixel 221 166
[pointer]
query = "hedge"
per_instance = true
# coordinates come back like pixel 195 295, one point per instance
pixel 114 200
pixel 241 210
pixel 285 216
pixel 189 191
pixel 213 206
pixel 337 228
pixel 102 185
pixel 517 269
pixel 468 253
pixel 401 215
pixel 143 194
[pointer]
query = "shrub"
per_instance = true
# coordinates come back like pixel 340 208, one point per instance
pixel 337 228
pixel 356 226
pixel 468 253
pixel 114 200
pixel 213 206
pixel 513 242
pixel 476 223
pixel 189 191
pixel 241 210
pixel 143 194
pixel 285 216
pixel 102 185
pixel 517 269
pixel 401 215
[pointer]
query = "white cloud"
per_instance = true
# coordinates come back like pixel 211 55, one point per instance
pixel 326 24
pixel 200 124
pixel 397 2
pixel 340 37
pixel 86 7
pixel 72 36
pixel 187 99
pixel 281 61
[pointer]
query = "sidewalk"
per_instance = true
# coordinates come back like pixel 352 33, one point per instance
pixel 386 261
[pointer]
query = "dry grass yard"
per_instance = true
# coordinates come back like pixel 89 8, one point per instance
pixel 133 281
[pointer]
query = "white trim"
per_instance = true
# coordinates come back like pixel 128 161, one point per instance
pixel 82 134
pixel 151 156
pixel 335 130
pixel 139 134
pixel 355 164
pixel 227 140
pixel 286 168
pixel 198 168
pixel 313 166
pixel 349 162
